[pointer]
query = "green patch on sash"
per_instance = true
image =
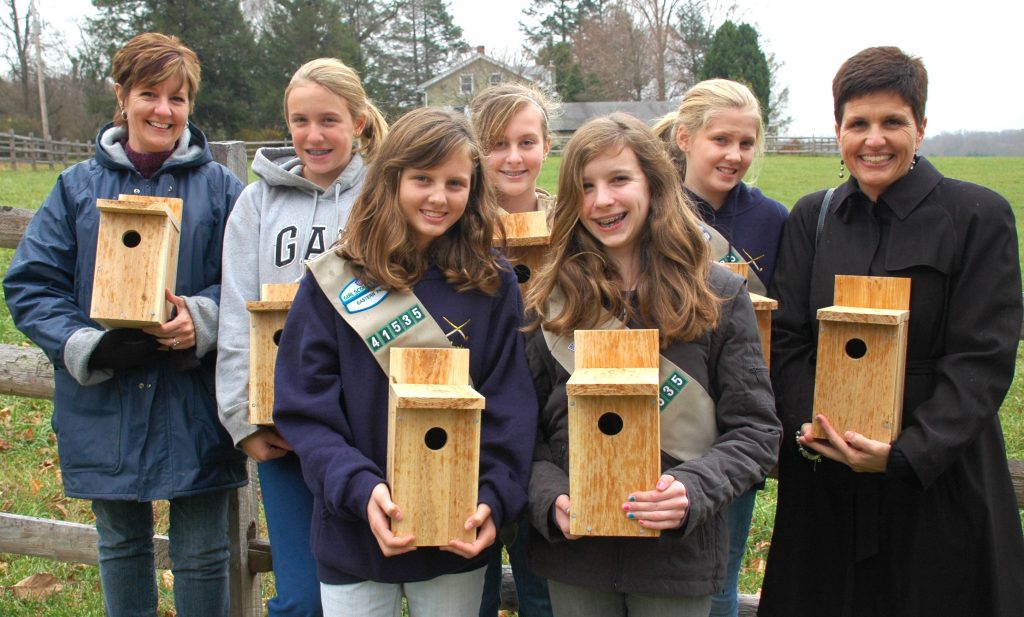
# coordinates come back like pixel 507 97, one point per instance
pixel 395 328
pixel 671 388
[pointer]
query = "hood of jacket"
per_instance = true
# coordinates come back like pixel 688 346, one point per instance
pixel 190 151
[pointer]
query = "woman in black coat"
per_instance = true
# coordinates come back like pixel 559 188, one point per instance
pixel 927 524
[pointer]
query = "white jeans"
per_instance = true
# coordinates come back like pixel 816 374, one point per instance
pixel 449 595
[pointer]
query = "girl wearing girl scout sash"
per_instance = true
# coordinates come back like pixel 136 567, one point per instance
pixel 716 135
pixel 629 253
pixel 414 268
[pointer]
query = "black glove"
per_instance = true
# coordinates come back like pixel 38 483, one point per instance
pixel 124 348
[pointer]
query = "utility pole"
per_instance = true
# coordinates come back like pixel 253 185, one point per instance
pixel 40 81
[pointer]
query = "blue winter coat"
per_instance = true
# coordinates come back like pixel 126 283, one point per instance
pixel 151 432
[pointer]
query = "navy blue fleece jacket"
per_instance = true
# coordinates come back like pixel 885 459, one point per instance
pixel 331 404
pixel 751 222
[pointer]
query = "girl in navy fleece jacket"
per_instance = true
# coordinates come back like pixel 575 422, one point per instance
pixel 422 224
pixel 715 136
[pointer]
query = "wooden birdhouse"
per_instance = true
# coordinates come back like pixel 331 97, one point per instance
pixel 763 307
pixel 862 349
pixel 266 321
pixel 614 430
pixel 526 237
pixel 433 444
pixel 136 260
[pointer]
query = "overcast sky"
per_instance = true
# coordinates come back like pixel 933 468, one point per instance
pixel 974 51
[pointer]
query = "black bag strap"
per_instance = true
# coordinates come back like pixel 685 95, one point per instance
pixel 825 202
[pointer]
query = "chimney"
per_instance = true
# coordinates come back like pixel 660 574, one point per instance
pixel 480 49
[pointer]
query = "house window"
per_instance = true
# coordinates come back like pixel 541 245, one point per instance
pixel 467 84
pixel 495 79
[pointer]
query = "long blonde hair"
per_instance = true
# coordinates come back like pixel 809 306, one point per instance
pixel 699 106
pixel 337 77
pixel 377 240
pixel 672 293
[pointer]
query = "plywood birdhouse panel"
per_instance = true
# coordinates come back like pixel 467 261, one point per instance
pixel 266 321
pixel 614 431
pixel 862 346
pixel 433 444
pixel 136 260
pixel 526 239
pixel 763 307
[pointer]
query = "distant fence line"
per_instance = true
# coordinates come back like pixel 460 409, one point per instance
pixel 33 152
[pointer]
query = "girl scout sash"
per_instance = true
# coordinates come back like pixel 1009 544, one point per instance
pixel 688 427
pixel 722 252
pixel 380 317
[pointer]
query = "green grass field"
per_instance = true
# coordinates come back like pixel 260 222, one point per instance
pixel 30 475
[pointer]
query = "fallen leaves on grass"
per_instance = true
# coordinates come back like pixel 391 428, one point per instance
pixel 167 579
pixel 5 445
pixel 39 586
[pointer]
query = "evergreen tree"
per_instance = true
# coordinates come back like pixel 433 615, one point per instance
pixel 420 42
pixel 735 54
pixel 221 38
pixel 294 32
pixel 214 29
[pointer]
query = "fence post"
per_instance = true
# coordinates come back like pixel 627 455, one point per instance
pixel 14 153
pixel 30 145
pixel 246 600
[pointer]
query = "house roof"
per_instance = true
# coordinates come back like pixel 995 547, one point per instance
pixel 575 114
pixel 475 57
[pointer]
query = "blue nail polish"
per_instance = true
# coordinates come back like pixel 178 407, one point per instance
pixel 630 515
pixel 631 498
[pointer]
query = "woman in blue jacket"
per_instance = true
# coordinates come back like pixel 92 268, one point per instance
pixel 134 410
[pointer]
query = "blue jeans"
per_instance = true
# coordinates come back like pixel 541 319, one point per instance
pixel 531 589
pixel 741 510
pixel 198 551
pixel 288 506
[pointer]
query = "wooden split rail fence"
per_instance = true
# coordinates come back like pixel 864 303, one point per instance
pixel 25 371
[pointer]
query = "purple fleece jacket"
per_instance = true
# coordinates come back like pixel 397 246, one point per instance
pixel 751 222
pixel 331 404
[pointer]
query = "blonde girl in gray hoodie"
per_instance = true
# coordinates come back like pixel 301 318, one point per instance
pixel 294 212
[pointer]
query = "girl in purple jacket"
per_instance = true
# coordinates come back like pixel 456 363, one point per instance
pixel 421 231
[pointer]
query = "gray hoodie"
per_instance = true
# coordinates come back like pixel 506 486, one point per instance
pixel 277 224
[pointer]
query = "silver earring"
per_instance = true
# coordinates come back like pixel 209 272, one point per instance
pixel 913 161
pixel 124 114
pixel 842 168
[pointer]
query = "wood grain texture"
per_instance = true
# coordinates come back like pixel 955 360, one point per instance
pixel 882 292
pixel 265 327
pixel 613 381
pixel 763 307
pixel 436 396
pixel 614 441
pixel 278 292
pixel 854 314
pixel 739 267
pixel 616 349
pixel 525 228
pixel 861 358
pixel 174 204
pixel 129 281
pixel 434 484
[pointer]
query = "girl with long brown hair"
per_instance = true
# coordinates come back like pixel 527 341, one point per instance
pixel 628 252
pixel 415 259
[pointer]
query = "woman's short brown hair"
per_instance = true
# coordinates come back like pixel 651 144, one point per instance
pixel 882 69
pixel 152 58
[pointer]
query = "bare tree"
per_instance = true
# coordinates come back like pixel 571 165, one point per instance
pixel 614 53
pixel 657 16
pixel 17 40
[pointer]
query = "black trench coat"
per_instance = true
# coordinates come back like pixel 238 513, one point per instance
pixel 938 534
